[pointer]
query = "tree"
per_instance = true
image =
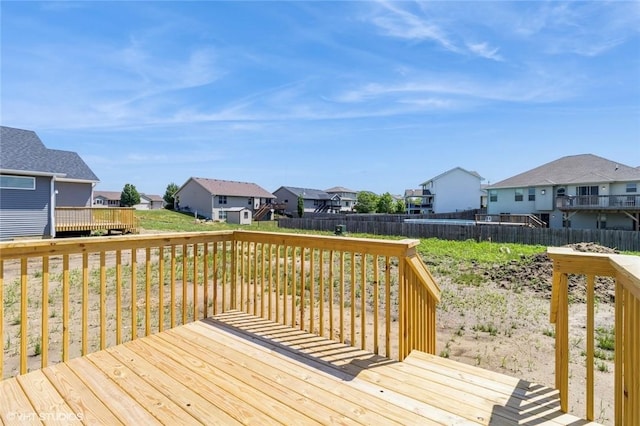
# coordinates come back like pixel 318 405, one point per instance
pixel 385 204
pixel 401 207
pixel 129 196
pixel 366 202
pixel 169 195
pixel 300 206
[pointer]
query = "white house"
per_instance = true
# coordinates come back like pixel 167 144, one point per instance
pixel 214 198
pixel 578 191
pixel 452 191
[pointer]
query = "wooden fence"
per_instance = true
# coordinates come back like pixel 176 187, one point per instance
pixel 621 240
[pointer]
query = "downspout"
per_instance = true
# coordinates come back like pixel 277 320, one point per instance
pixel 52 213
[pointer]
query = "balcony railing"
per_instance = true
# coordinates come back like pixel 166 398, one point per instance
pixel 510 219
pixel 75 219
pixel 66 298
pixel 598 202
pixel 626 272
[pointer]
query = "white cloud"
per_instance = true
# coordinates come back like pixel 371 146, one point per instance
pixel 483 50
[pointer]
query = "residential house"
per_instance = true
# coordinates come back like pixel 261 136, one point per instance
pixel 314 200
pixel 214 198
pixel 34 180
pixel 452 191
pixel 106 198
pixel 578 191
pixel 150 202
pixel 344 197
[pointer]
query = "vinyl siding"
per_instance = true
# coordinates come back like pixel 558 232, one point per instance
pixel 72 194
pixel 25 213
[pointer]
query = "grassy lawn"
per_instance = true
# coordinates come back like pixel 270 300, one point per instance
pixel 435 250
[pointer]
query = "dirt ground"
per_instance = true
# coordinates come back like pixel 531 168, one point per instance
pixel 503 325
pixel 500 323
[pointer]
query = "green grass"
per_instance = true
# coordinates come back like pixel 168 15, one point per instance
pixel 168 220
pixel 450 256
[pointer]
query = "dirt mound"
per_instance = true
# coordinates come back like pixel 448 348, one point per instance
pixel 534 273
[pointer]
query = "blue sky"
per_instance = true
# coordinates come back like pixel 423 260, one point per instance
pixel 369 95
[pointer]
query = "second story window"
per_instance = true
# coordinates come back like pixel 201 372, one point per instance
pixel 632 187
pixel 532 194
pixel 222 199
pixel 519 194
pixel 493 195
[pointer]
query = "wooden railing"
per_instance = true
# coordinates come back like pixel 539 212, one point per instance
pixel 66 298
pixel 599 202
pixel 626 272
pixel 73 219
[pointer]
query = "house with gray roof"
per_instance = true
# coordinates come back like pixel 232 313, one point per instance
pixel 345 197
pixel 314 200
pixel 34 180
pixel 214 198
pixel 577 191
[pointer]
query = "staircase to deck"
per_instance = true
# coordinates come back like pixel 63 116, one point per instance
pixel 236 368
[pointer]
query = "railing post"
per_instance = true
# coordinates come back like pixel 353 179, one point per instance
pixel 562 338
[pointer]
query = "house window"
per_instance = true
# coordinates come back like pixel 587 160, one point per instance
pixel 17 182
pixel 250 201
pixel 493 195
pixel 99 201
pixel 222 199
pixel 519 194
pixel 631 187
pixel 532 194
pixel 222 214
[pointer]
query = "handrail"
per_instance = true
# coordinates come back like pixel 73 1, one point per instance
pixel 372 294
pixel 625 270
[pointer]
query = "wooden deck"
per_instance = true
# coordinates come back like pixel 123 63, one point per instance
pixel 239 369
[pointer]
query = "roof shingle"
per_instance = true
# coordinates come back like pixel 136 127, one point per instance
pixel 573 169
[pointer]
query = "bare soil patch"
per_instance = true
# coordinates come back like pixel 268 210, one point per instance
pixel 503 325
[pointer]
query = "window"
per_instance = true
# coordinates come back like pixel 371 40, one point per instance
pixel 493 195
pixel 532 194
pixel 631 187
pixel 250 201
pixel 222 199
pixel 519 194
pixel 222 214
pixel 17 182
pixel 246 215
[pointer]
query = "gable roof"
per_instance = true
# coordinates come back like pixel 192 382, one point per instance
pixel 340 189
pixel 107 195
pixel 307 193
pixel 23 151
pixel 231 188
pixel 471 172
pixel 152 197
pixel 572 169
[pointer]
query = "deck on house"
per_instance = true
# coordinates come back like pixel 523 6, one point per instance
pixel 235 368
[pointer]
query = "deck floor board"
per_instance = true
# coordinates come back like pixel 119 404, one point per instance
pixel 239 369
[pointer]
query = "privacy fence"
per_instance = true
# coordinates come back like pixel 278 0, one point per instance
pixel 621 240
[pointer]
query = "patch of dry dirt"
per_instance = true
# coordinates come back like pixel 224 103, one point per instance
pixel 503 325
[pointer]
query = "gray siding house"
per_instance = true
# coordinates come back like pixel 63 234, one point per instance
pixel 578 191
pixel 214 198
pixel 34 180
pixel 314 200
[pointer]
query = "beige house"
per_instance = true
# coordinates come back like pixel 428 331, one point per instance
pixel 215 198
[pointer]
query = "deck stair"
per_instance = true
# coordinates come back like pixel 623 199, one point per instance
pixel 236 368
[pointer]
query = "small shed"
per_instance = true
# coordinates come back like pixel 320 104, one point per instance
pixel 239 215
